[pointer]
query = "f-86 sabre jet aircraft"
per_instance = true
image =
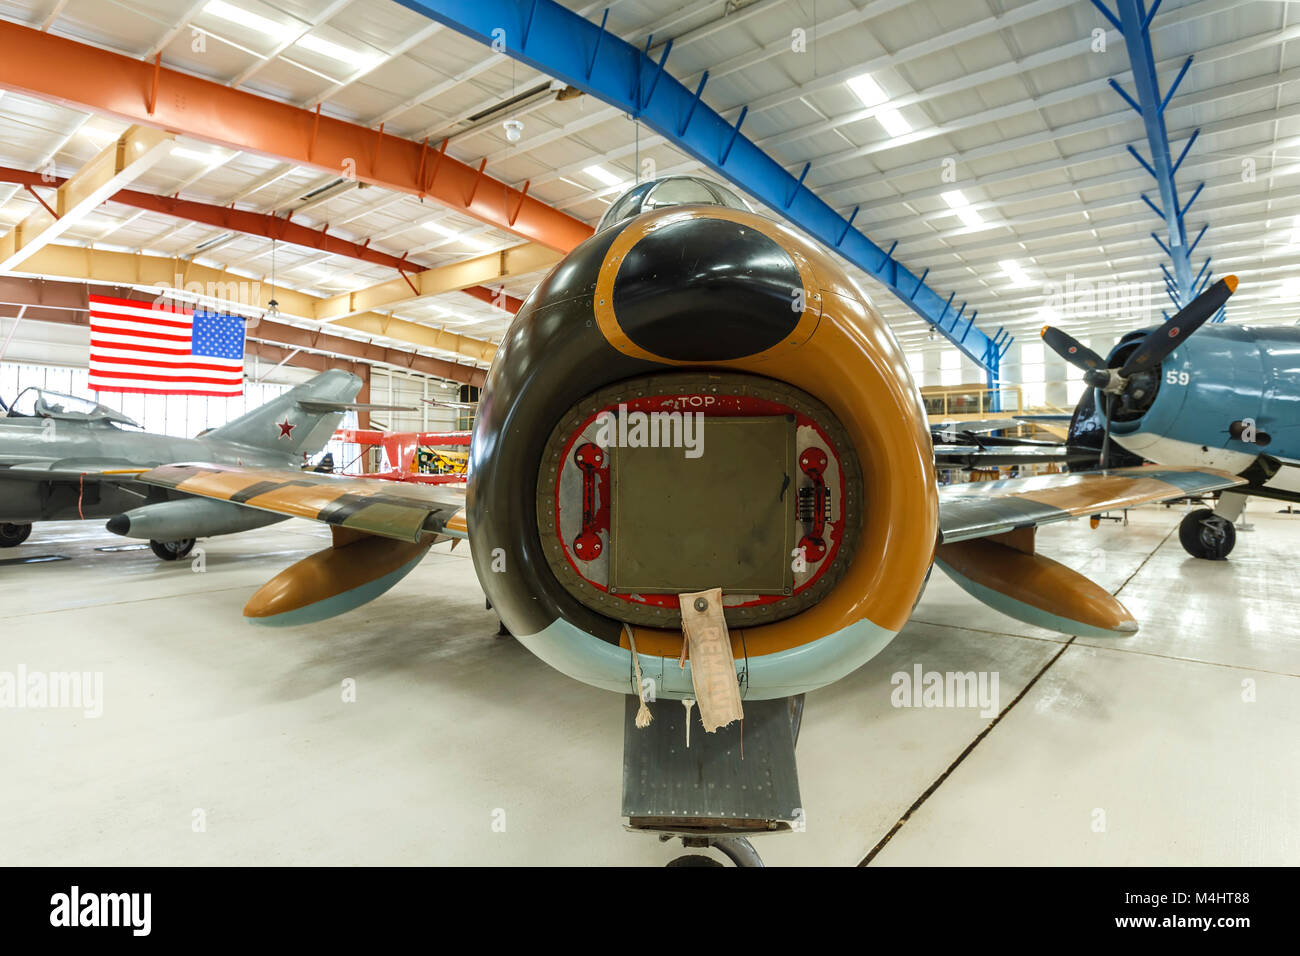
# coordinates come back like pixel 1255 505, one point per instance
pixel 813 505
pixel 1226 398
pixel 699 464
pixel 65 458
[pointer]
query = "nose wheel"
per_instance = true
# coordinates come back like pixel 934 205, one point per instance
pixel 738 849
pixel 12 535
pixel 1204 534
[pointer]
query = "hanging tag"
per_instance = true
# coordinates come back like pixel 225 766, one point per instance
pixel 713 666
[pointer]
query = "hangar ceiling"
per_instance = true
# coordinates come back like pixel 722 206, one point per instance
pixel 997 160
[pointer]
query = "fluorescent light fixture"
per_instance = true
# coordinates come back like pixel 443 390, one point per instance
pixel 198 155
pixel 282 33
pixel 471 241
pixel 865 88
pixel 234 14
pixel 894 122
pixel 958 202
pixel 603 176
pixel 335 51
pixel 1014 272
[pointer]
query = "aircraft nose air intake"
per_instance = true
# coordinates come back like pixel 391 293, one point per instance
pixel 696 392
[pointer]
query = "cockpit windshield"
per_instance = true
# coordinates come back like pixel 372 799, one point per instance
pixel 670 191
pixel 39 403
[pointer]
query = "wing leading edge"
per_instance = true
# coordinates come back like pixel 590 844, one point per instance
pixel 987 540
pixel 381 531
pixel 983 508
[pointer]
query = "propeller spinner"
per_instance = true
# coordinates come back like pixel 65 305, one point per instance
pixel 1153 350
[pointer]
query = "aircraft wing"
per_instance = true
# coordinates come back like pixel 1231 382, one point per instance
pixel 987 540
pixel 982 508
pixel 381 531
pixel 70 468
pixel 1063 418
pixel 979 427
pixel 975 456
pixel 403 511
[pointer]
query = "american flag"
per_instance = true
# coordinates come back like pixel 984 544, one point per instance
pixel 164 349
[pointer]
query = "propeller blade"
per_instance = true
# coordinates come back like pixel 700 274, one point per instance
pixel 1156 346
pixel 1105 437
pixel 1071 349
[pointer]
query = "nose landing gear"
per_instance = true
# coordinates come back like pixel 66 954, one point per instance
pixel 12 535
pixel 724 788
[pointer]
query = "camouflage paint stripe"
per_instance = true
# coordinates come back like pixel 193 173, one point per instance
pixel 373 506
pixel 262 487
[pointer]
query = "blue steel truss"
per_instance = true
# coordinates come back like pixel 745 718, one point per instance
pixel 564 45
pixel 1133 21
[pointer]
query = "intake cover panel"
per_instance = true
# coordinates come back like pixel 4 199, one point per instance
pixel 687 523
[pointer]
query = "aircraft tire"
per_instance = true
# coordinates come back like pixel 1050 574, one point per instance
pixel 1201 537
pixel 172 550
pixel 12 535
pixel 693 859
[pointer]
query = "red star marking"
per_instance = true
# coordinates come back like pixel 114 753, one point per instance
pixel 286 428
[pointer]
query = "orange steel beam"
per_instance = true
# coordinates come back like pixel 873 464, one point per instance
pixel 254 224
pixel 497 298
pixel 55 68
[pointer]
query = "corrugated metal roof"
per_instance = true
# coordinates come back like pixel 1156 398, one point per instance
pixel 1007 102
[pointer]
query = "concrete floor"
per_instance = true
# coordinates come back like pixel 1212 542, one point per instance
pixel 1121 752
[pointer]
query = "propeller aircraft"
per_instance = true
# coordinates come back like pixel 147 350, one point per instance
pixel 1225 398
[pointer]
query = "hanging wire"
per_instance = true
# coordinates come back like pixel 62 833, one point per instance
pixel 273 307
pixel 744 674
